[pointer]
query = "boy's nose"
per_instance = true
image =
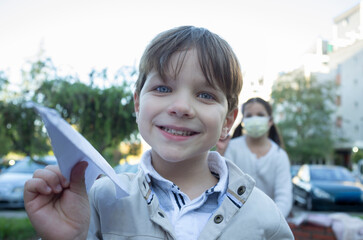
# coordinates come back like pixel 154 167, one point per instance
pixel 181 107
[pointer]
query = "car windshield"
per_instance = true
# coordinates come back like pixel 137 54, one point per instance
pixel 294 169
pixel 25 166
pixel 330 174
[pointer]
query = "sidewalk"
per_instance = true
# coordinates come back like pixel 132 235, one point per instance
pixel 325 225
pixel 4 213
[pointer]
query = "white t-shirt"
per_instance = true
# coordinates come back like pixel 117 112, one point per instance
pixel 271 172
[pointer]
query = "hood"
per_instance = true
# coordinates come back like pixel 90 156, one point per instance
pixel 334 187
pixel 16 179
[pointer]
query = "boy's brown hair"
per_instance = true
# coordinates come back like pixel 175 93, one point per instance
pixel 217 60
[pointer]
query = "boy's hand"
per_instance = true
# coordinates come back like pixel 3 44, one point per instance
pixel 222 145
pixel 57 209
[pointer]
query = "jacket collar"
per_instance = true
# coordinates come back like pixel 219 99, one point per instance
pixel 217 165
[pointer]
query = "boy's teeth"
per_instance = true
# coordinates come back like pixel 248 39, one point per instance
pixel 177 132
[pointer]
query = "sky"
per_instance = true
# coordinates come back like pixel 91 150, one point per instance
pixel 267 36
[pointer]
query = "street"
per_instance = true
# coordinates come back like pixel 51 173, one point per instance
pixel 296 211
pixel 18 213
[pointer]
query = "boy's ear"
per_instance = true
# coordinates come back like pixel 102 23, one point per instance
pixel 136 105
pixel 228 123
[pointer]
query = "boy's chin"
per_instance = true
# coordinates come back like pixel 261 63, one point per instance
pixel 175 156
pixel 170 157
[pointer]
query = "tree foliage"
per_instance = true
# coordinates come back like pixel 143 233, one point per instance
pixel 357 156
pixel 303 109
pixel 23 131
pixel 20 131
pixel 3 80
pixel 5 140
pixel 102 114
pixel 34 74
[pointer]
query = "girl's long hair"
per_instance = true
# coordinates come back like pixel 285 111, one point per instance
pixel 273 134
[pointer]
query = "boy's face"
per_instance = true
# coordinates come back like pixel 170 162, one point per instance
pixel 182 118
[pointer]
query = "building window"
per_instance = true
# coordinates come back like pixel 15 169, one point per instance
pixel 345 22
pixel 338 80
pixel 338 100
pixel 338 122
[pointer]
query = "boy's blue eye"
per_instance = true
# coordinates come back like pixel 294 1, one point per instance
pixel 206 96
pixel 163 89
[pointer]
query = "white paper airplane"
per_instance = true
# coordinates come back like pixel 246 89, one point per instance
pixel 70 147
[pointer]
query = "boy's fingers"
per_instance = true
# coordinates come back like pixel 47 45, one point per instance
pixel 56 170
pixel 35 186
pixel 51 178
pixel 77 177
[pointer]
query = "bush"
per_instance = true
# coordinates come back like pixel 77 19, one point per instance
pixel 16 229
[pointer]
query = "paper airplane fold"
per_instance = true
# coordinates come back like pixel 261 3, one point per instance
pixel 70 147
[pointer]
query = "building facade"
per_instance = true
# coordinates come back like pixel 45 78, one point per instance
pixel 346 69
pixel 341 60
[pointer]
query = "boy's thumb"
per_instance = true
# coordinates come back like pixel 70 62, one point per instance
pixel 77 183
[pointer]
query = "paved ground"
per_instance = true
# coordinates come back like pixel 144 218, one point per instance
pixel 5 213
pixel 22 214
pixel 299 210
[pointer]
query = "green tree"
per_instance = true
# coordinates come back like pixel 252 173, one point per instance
pixel 303 108
pixel 357 156
pixel 34 72
pixel 6 143
pixel 23 130
pixel 3 81
pixel 104 116
pixel 19 130
pixel 101 111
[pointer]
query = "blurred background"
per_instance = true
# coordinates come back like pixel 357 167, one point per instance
pixel 81 58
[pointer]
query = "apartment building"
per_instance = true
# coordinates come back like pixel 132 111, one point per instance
pixel 341 60
pixel 346 68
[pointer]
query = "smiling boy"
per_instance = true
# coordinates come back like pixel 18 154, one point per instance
pixel 185 100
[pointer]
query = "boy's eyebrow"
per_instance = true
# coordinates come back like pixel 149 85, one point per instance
pixel 211 84
pixel 208 85
pixel 153 75
pixel 168 76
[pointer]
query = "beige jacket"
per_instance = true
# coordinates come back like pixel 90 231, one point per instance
pixel 245 213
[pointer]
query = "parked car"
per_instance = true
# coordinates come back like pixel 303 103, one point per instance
pixel 322 187
pixel 2 165
pixel 12 180
pixel 126 167
pixel 358 170
pixel 294 169
pixel 129 164
pixel 6 163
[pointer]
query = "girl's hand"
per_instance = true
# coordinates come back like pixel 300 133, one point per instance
pixel 56 208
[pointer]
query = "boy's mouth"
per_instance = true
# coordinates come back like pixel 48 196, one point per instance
pixel 177 132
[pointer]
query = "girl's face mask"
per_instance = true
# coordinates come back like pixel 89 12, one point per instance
pixel 256 126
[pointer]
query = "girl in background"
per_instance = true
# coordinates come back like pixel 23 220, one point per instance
pixel 256 148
